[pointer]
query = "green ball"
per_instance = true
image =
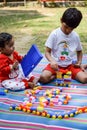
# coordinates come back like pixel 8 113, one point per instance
pixel 40 108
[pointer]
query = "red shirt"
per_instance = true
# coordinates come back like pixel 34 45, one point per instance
pixel 5 63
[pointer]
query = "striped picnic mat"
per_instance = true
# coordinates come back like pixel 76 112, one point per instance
pixel 19 120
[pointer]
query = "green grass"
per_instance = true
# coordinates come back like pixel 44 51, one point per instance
pixel 37 23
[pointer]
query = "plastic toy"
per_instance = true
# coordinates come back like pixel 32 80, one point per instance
pixel 74 62
pixel 49 98
pixel 40 108
pixel 72 112
pixel 51 114
pixel 41 111
pixel 2 93
pixel 31 59
pixel 82 109
pixel 63 78
pixel 6 90
pixel 12 107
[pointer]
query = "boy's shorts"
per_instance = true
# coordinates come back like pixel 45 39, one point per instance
pixel 71 68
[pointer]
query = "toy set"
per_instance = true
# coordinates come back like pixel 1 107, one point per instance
pixel 39 101
pixel 40 111
pixel 39 105
pixel 63 78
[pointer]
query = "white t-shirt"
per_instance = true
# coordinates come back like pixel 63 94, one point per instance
pixel 63 46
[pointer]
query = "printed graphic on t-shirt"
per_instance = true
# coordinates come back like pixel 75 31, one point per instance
pixel 64 50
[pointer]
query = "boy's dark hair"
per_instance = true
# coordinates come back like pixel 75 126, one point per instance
pixel 72 17
pixel 4 39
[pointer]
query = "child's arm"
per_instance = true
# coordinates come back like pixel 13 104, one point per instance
pixel 7 68
pixel 18 57
pixel 4 67
pixel 53 63
pixel 79 58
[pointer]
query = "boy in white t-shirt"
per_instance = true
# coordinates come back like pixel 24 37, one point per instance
pixel 61 46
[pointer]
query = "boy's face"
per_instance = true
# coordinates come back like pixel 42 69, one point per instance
pixel 9 48
pixel 66 29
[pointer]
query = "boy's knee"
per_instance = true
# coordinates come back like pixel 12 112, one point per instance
pixel 84 80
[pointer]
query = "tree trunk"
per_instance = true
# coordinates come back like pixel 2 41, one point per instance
pixel 4 2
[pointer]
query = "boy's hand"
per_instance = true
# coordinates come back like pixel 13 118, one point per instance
pixel 84 67
pixel 77 65
pixel 54 65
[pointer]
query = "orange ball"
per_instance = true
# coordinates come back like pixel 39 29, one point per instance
pixel 65 102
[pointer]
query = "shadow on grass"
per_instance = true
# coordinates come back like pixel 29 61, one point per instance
pixel 17 17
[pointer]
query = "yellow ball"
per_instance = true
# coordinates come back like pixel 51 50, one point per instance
pixel 71 115
pixel 48 115
pixel 10 108
pixel 76 112
pixel 34 112
pixel 24 110
pixel 38 113
pixel 59 117
pixel 28 111
pixel 6 91
pixel 53 117
pixel 66 116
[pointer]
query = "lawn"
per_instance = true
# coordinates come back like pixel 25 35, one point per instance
pixel 33 24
